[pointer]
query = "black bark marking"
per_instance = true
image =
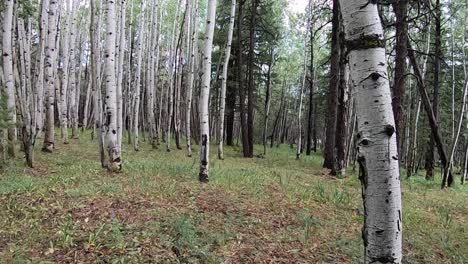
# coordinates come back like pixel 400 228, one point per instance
pixel 389 130
pixel 365 42
pixel 383 259
pixel 375 76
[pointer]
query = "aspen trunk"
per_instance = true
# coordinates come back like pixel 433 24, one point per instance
pixel 377 147
pixel 110 123
pixel 49 138
pixel 39 87
pixel 173 60
pixel 227 56
pixel 62 103
pixel 74 86
pixel 137 81
pixel 8 73
pixel 205 93
pixel 191 77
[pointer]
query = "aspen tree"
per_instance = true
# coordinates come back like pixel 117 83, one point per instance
pixel 191 76
pixel 222 99
pixel 50 64
pixel 39 78
pixel 205 93
pixel 172 62
pixel 120 72
pixel 301 91
pixel 376 137
pixel 152 71
pixel 8 73
pixel 73 87
pixel 63 95
pixel 137 82
pixel 110 123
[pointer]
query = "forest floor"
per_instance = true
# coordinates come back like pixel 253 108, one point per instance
pixel 273 210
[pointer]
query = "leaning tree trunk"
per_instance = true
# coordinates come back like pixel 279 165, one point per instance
pixel 376 138
pixel 401 10
pixel 205 93
pixel 49 138
pixel 222 99
pixel 110 120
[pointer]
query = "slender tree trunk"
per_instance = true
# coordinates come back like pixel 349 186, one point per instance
pixel 137 82
pixel 110 124
pixel 49 138
pixel 342 114
pixel 311 117
pixel 240 81
pixel 379 172
pixel 329 153
pixel 74 83
pixel 205 93
pixel 8 73
pixel 268 99
pixel 430 157
pixel 431 116
pixel 191 77
pixel 401 10
pixel 39 87
pixel 173 60
pixel 251 84
pixel 222 99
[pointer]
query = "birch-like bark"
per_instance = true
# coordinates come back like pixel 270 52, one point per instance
pixel 377 146
pixel 227 56
pixel 73 87
pixel 191 76
pixel 39 84
pixel 301 91
pixel 205 93
pixel 110 123
pixel 63 96
pixel 152 71
pixel 137 82
pixel 120 73
pixel 8 73
pixel 172 61
pixel 49 137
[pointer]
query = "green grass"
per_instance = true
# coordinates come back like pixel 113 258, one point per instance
pixel 275 209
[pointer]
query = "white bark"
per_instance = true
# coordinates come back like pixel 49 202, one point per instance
pixel 73 87
pixel 377 148
pixel 172 61
pixel 63 95
pixel 39 87
pixel 191 76
pixel 8 72
pixel 152 72
pixel 121 72
pixel 137 82
pixel 49 138
pixel 110 124
pixel 205 93
pixel 227 56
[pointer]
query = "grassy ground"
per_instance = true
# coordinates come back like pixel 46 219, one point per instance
pixel 273 210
